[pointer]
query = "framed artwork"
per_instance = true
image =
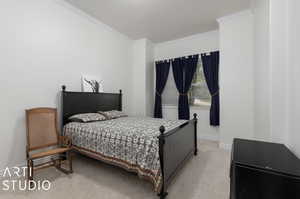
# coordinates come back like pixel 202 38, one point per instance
pixel 91 84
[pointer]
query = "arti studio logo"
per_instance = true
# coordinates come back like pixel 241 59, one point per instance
pixel 15 179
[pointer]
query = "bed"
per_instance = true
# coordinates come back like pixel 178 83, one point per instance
pixel 153 148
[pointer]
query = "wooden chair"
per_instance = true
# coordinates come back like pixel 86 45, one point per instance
pixel 43 136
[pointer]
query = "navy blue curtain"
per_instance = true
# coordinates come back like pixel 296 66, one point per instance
pixel 162 72
pixel 211 73
pixel 177 67
pixel 183 71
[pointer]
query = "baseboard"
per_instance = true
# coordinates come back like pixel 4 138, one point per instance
pixel 225 146
pixel 208 137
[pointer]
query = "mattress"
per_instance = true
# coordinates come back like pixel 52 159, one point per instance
pixel 128 142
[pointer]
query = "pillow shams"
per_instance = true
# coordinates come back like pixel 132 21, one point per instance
pixel 87 117
pixel 113 114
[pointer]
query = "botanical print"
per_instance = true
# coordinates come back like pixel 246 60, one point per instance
pixel 91 84
pixel 127 142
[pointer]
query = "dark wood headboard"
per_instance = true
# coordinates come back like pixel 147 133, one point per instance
pixel 88 102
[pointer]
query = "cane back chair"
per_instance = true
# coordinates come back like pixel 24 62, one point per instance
pixel 43 140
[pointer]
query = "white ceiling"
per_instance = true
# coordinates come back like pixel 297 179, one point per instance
pixel 160 20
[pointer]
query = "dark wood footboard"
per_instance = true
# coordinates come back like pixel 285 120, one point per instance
pixel 175 148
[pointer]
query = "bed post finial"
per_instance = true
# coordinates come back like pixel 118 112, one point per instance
pixel 120 100
pixel 162 129
pixel 195 116
pixel 63 88
pixel 163 193
pixel 195 133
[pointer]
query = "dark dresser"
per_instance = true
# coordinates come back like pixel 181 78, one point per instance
pixel 262 170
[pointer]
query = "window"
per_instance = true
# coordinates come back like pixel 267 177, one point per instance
pixel 198 94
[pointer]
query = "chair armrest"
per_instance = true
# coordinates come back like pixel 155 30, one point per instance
pixel 65 141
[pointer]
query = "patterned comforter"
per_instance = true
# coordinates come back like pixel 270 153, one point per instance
pixel 127 142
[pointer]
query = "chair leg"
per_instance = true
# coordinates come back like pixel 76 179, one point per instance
pixel 31 169
pixel 30 172
pixel 58 163
pixel 69 156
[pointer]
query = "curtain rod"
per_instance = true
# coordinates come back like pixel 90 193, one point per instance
pixel 171 59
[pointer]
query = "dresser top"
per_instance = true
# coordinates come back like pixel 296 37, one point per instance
pixel 265 156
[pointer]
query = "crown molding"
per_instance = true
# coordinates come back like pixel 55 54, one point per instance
pixel 231 17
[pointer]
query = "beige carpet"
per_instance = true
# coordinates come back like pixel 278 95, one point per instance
pixel 204 177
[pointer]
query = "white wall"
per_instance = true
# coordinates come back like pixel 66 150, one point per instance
pixel 262 70
pixel 236 77
pixel 199 43
pixel 273 28
pixel 45 44
pixel 195 44
pixel 138 77
pixel 294 73
pixel 271 70
pixel 149 78
pixel 279 67
pixel 142 76
pixel 284 63
pixel 277 71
